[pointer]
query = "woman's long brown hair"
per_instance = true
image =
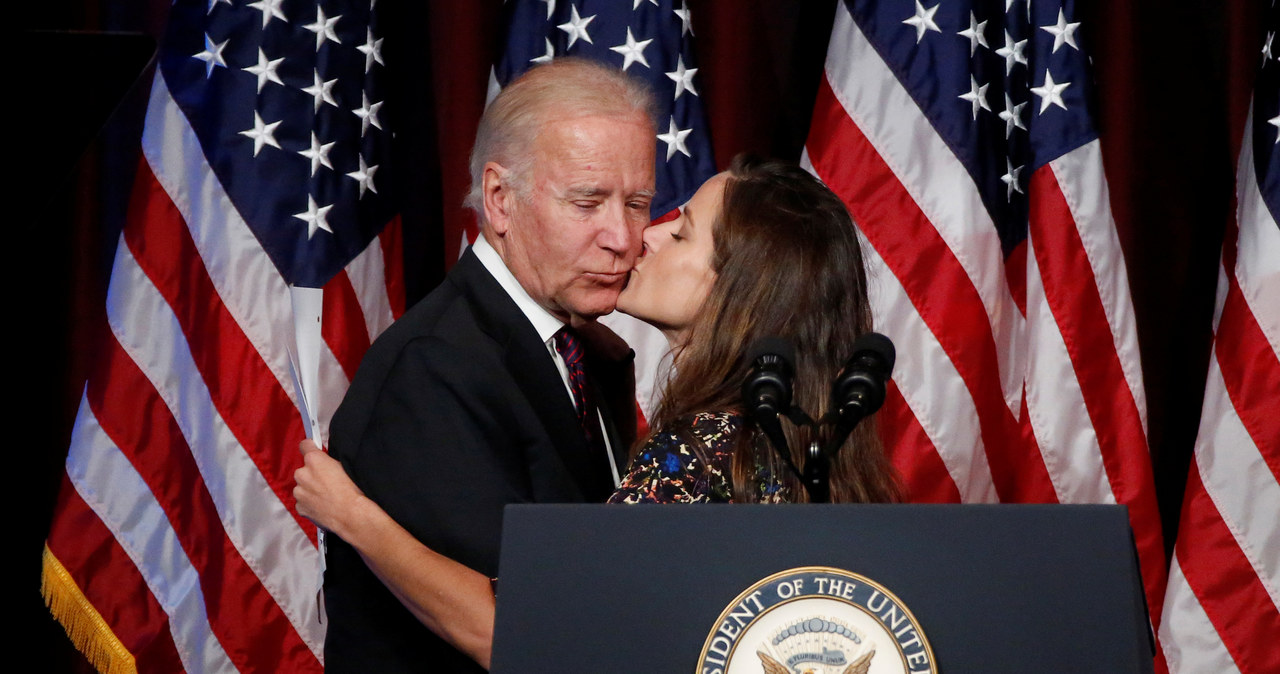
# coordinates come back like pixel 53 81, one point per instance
pixel 787 264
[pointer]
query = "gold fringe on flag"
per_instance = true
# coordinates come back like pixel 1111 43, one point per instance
pixel 84 625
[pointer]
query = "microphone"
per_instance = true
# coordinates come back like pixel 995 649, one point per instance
pixel 859 390
pixel 766 393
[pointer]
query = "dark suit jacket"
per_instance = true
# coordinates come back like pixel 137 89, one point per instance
pixel 456 411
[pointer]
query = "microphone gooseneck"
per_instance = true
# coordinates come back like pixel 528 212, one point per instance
pixel 857 392
pixel 766 393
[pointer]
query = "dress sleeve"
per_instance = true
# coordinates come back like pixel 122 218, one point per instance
pixel 668 470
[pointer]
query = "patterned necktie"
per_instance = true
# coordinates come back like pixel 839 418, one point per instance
pixel 569 345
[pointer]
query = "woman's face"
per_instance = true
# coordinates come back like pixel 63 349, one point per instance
pixel 672 279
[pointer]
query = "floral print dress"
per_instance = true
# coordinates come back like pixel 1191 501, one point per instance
pixel 692 462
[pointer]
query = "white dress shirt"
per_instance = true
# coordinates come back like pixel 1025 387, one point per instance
pixel 544 323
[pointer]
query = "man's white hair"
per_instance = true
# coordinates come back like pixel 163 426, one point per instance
pixel 564 88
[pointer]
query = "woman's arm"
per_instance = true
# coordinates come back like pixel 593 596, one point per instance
pixel 452 600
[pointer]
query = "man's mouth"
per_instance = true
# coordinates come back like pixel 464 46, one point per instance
pixel 606 278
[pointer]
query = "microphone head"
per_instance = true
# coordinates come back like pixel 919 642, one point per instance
pixel 766 392
pixel 773 346
pixel 860 389
pixel 875 345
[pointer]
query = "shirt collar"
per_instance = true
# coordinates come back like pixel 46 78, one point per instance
pixel 544 322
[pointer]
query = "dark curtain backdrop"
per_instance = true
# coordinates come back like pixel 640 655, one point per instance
pixel 1174 83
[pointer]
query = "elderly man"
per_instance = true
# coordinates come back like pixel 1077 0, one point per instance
pixel 479 397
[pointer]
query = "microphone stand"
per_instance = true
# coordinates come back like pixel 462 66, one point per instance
pixel 855 394
pixel 772 429
pixel 817 474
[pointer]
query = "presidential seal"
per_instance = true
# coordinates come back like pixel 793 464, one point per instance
pixel 816 620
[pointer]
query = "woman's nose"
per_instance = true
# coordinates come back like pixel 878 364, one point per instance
pixel 656 236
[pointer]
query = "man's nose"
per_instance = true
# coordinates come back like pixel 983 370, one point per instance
pixel 620 231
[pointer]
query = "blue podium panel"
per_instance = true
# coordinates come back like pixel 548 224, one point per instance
pixel 995 588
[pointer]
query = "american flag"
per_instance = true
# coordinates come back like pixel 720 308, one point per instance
pixel 959 134
pixel 1222 608
pixel 651 40
pixel 260 257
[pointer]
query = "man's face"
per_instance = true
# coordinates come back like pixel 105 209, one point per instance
pixel 573 240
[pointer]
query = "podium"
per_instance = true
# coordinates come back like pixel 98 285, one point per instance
pixel 994 588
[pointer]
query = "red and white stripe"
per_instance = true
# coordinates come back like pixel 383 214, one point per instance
pixel 1222 609
pixel 1018 380
pixel 184 448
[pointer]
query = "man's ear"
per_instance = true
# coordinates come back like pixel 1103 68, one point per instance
pixel 498 197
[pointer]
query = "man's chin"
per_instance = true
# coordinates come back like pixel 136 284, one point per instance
pixel 594 305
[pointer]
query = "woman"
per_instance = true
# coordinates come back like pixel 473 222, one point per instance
pixel 761 250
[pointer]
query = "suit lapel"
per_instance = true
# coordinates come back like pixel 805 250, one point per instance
pixel 617 404
pixel 531 367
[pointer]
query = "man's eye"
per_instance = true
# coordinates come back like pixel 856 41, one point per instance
pixel 586 205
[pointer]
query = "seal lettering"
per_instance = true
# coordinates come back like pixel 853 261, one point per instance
pixel 812 619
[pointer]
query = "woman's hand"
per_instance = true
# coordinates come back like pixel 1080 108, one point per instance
pixel 324 493
pixel 452 600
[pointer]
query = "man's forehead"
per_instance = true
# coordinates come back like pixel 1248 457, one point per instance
pixel 595 156
pixel 586 176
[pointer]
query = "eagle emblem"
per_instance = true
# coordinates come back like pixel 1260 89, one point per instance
pixel 816 646
pixel 816 620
